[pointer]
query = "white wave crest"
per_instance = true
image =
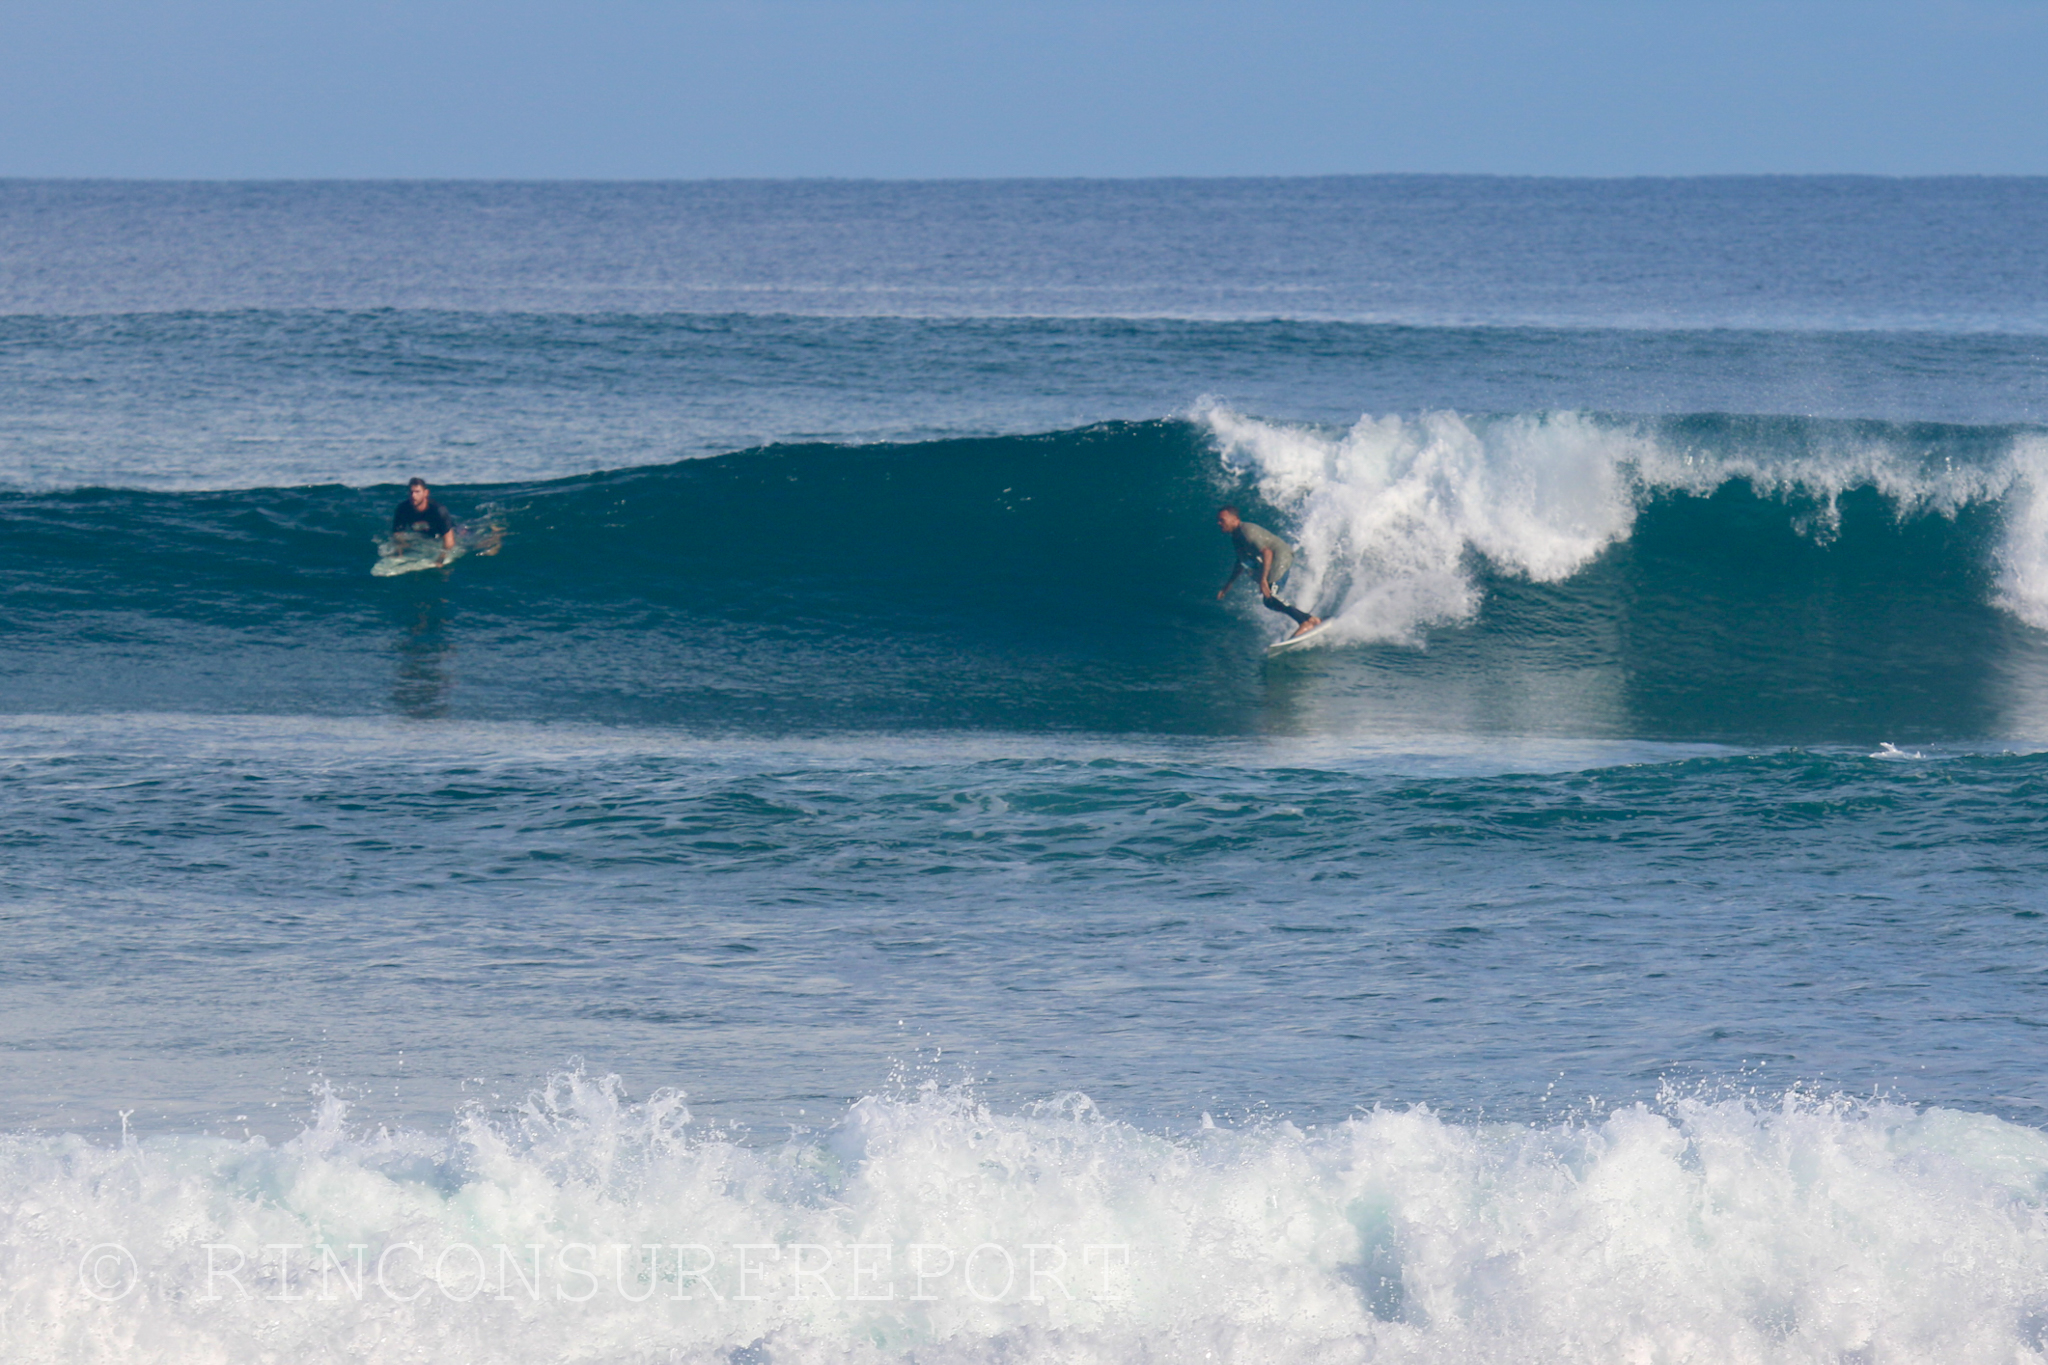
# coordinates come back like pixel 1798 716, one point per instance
pixel 1389 514
pixel 927 1227
pixel 2023 552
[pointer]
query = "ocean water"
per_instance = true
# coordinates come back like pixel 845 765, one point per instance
pixel 837 885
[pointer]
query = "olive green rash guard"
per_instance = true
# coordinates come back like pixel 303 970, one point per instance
pixel 1252 542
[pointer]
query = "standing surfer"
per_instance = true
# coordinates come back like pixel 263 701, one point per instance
pixel 419 514
pixel 1272 557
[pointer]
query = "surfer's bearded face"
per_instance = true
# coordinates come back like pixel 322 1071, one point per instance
pixel 419 496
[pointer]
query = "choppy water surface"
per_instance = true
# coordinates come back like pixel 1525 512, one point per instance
pixel 837 885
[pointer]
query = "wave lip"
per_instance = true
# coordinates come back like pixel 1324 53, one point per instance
pixel 1732 1229
pixel 1388 512
pixel 2023 554
pixel 1391 513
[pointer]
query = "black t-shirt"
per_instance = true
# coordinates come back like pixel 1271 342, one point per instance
pixel 433 520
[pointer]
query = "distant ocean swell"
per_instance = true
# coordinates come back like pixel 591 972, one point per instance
pixel 922 1225
pixel 1065 580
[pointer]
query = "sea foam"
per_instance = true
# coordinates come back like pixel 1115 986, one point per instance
pixel 1390 514
pixel 922 1225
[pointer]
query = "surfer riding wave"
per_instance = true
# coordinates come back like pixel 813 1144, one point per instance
pixel 1270 557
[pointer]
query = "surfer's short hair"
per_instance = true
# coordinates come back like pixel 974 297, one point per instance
pixel 416 483
pixel 1226 507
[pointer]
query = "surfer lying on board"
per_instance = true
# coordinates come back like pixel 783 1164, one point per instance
pixel 1260 549
pixel 419 514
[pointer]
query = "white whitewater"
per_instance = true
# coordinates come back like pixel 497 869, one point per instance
pixel 1389 513
pixel 924 1226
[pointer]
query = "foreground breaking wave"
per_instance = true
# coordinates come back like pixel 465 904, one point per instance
pixel 922 1225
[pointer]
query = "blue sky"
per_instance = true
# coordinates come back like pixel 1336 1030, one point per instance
pixel 916 88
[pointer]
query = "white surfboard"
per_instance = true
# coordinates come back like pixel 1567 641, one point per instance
pixel 1288 642
pixel 484 538
pixel 413 558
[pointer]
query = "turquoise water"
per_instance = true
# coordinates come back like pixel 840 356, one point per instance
pixel 841 826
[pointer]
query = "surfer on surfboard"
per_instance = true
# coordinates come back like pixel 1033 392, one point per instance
pixel 424 536
pixel 420 515
pixel 1261 550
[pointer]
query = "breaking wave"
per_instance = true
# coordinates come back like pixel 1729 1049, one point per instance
pixel 1392 513
pixel 923 1225
pixel 1697 577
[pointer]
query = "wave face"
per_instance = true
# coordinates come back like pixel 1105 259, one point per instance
pixel 1693 577
pixel 924 1226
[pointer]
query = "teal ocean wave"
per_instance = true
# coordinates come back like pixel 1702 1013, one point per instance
pixel 1701 577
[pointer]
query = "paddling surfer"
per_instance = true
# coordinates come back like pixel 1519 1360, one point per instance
pixel 1261 550
pixel 420 515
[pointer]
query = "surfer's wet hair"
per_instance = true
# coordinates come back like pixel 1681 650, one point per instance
pixel 1226 507
pixel 416 483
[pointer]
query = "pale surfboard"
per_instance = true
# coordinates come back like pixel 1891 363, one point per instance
pixel 411 559
pixel 1282 645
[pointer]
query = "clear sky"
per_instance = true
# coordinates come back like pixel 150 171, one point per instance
pixel 917 88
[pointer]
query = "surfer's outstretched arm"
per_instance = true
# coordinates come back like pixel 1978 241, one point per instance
pixel 1228 583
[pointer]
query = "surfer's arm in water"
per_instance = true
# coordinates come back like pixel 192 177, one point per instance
pixel 403 536
pixel 447 538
